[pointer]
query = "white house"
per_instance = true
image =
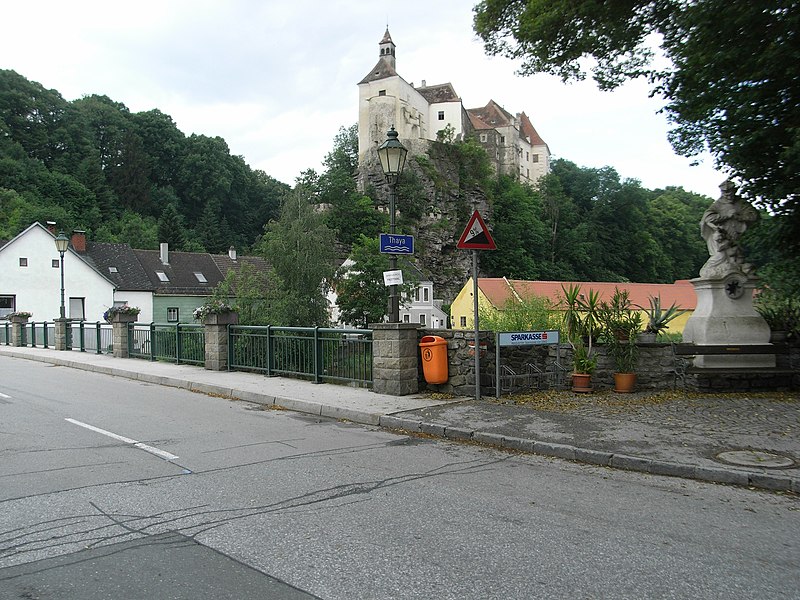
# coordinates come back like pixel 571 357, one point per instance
pixel 30 279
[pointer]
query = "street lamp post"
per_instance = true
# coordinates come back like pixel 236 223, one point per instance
pixel 62 243
pixel 392 155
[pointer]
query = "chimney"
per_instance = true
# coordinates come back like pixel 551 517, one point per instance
pixel 51 227
pixel 164 246
pixel 232 253
pixel 423 83
pixel 79 240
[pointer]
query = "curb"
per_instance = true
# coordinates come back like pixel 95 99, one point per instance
pixel 751 479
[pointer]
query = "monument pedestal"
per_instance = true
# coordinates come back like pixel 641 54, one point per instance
pixel 725 315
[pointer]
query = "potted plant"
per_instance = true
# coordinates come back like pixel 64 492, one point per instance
pixel 781 313
pixel 625 354
pixel 20 316
pixel 122 314
pixel 580 326
pixel 658 319
pixel 618 317
pixel 216 312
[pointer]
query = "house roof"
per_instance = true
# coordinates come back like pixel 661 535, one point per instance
pixel 491 116
pixel 382 70
pixel 499 290
pixel 529 131
pixel 443 92
pixel 118 263
pixel 180 272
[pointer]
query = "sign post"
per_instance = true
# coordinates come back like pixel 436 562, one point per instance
pixel 476 237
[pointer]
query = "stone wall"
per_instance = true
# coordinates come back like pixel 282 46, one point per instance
pixel 655 371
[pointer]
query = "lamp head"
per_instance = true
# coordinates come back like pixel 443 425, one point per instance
pixel 392 155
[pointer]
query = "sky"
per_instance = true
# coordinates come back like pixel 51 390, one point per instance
pixel 278 79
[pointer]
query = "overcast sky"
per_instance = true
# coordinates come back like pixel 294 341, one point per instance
pixel 277 79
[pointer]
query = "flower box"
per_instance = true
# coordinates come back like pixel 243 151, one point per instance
pixel 224 318
pixel 123 318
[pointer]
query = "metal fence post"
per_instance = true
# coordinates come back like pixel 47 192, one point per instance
pixel 269 351
pixel 99 349
pixel 152 342
pixel 317 357
pixel 82 336
pixel 33 335
pixel 177 343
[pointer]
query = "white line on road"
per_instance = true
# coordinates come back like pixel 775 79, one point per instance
pixel 161 453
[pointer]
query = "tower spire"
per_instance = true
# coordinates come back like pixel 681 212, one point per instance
pixel 387 48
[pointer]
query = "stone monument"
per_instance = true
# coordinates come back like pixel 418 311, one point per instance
pixel 725 313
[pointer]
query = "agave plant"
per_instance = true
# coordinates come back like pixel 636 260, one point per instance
pixel 658 318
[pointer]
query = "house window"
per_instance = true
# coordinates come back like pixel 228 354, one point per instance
pixel 55 263
pixel 381 92
pixel 528 171
pixel 6 305
pixel 441 115
pixel 406 318
pixel 162 276
pixel 425 295
pixel 483 137
pixel 23 262
pixel 200 277
pixel 416 295
pixel 535 158
pixel 120 303
pixel 422 319
pixel 172 314
pixel 463 321
pixel 76 308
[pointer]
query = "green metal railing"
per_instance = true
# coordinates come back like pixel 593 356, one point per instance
pixel 90 337
pixel 175 342
pixel 5 333
pixel 315 353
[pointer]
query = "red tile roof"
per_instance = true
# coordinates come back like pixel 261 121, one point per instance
pixel 499 290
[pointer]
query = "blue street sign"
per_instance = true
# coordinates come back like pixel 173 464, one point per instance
pixel 397 244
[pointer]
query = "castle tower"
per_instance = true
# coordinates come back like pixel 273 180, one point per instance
pixel 387 49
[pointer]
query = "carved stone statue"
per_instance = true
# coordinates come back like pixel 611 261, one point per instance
pixel 722 225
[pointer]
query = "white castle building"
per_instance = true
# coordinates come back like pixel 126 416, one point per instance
pixel 419 113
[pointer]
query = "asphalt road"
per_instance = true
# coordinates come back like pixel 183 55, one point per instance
pixel 111 488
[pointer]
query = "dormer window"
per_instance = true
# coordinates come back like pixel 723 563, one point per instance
pixel 113 270
pixel 162 276
pixel 200 277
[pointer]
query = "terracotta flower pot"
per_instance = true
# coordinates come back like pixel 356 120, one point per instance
pixel 581 382
pixel 624 382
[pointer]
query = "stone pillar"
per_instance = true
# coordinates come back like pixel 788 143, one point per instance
pixel 17 333
pixel 119 333
pixel 61 326
pixel 394 358
pixel 725 315
pixel 216 338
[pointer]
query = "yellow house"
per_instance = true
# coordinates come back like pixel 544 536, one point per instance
pixel 495 292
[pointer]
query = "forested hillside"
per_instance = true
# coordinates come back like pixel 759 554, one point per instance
pixel 122 176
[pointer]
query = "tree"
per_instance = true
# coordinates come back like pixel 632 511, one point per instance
pixel 300 249
pixel 361 295
pixel 730 85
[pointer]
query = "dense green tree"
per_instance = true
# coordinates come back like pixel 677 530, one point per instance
pixel 300 249
pixel 730 84
pixel 171 228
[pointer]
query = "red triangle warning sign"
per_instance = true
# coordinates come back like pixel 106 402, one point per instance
pixel 476 236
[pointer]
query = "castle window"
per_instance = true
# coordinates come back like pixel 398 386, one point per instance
pixel 535 158
pixel 483 137
pixel 55 263
pixel 441 115
pixel 23 262
pixel 502 139
pixel 381 92
pixel 527 156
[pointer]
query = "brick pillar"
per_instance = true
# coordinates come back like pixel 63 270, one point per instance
pixel 61 332
pixel 17 333
pixel 394 358
pixel 216 334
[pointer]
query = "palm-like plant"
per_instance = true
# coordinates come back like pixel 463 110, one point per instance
pixel 658 318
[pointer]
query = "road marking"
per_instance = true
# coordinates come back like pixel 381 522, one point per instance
pixel 152 450
pixel 2 395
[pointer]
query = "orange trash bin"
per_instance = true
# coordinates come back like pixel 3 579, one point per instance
pixel 434 359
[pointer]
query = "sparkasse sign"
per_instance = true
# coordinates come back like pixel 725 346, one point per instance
pixel 528 338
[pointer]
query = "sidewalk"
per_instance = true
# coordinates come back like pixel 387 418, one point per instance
pixel 748 440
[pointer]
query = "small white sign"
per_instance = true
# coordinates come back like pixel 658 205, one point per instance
pixel 393 277
pixel 528 338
